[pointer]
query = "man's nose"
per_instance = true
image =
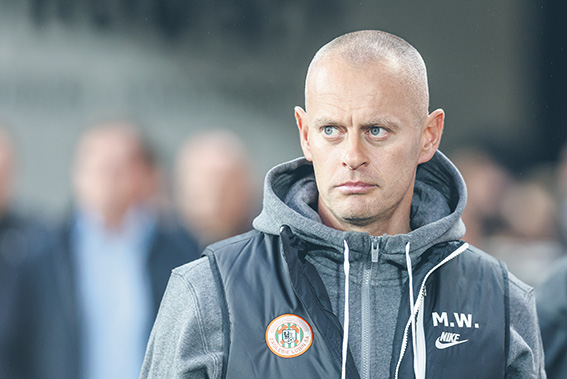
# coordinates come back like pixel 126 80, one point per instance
pixel 354 154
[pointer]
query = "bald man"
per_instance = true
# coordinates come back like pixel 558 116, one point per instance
pixel 215 186
pixel 89 301
pixel 355 267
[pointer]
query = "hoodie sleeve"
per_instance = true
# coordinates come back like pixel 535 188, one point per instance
pixel 525 357
pixel 187 340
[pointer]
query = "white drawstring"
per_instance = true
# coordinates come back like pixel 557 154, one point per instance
pixel 346 267
pixel 417 331
pixel 412 307
pixel 422 352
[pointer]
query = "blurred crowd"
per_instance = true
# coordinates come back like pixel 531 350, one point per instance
pixel 78 297
pixel 515 216
pixel 522 220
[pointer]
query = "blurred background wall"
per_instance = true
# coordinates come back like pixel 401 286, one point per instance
pixel 181 66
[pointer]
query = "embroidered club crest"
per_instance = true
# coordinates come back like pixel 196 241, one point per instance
pixel 289 336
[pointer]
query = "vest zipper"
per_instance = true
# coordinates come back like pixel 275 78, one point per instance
pixel 420 300
pixel 366 309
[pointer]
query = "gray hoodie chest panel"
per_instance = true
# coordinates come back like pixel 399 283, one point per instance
pixel 385 292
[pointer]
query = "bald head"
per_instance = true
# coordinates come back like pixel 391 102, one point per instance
pixel 214 185
pixel 366 49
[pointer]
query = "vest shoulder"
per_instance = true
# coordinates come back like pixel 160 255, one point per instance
pixel 517 287
pixel 471 264
pixel 481 256
pixel 238 242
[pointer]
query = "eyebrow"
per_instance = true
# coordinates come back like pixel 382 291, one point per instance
pixel 326 121
pixel 379 122
pixel 385 122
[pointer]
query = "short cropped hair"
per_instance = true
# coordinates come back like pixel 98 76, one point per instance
pixel 374 46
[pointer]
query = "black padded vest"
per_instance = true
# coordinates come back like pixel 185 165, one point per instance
pixel 262 278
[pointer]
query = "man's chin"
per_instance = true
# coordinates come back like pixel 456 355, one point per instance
pixel 359 220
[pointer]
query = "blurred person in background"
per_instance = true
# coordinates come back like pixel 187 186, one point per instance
pixel 19 239
pixel 87 303
pixel 516 220
pixel 11 224
pixel 561 186
pixel 487 182
pixel 552 292
pixel 528 241
pixel 552 313
pixel 215 186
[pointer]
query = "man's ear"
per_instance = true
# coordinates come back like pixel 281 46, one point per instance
pixel 431 135
pixel 303 126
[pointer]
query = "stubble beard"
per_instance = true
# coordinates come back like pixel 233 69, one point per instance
pixel 368 216
pixel 359 216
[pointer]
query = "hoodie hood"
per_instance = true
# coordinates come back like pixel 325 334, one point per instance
pixel 290 198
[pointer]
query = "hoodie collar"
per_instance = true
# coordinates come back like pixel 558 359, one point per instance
pixel 290 198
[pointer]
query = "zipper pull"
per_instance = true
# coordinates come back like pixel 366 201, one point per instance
pixel 375 249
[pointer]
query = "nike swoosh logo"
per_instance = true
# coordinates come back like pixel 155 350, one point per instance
pixel 444 345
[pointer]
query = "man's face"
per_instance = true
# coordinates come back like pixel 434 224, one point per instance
pixel 365 141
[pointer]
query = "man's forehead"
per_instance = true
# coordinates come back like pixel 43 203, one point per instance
pixel 340 66
pixel 337 77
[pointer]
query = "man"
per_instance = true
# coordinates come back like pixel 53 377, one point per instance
pixel 375 203
pixel 552 312
pixel 19 239
pixel 14 244
pixel 86 305
pixel 215 188
pixel 552 292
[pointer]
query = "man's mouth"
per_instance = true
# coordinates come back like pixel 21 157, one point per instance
pixel 351 188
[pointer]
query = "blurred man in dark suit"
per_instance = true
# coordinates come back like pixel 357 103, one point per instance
pixel 19 238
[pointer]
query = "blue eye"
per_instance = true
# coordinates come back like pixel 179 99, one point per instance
pixel 375 131
pixel 328 130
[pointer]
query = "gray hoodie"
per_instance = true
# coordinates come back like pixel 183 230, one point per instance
pixel 187 339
